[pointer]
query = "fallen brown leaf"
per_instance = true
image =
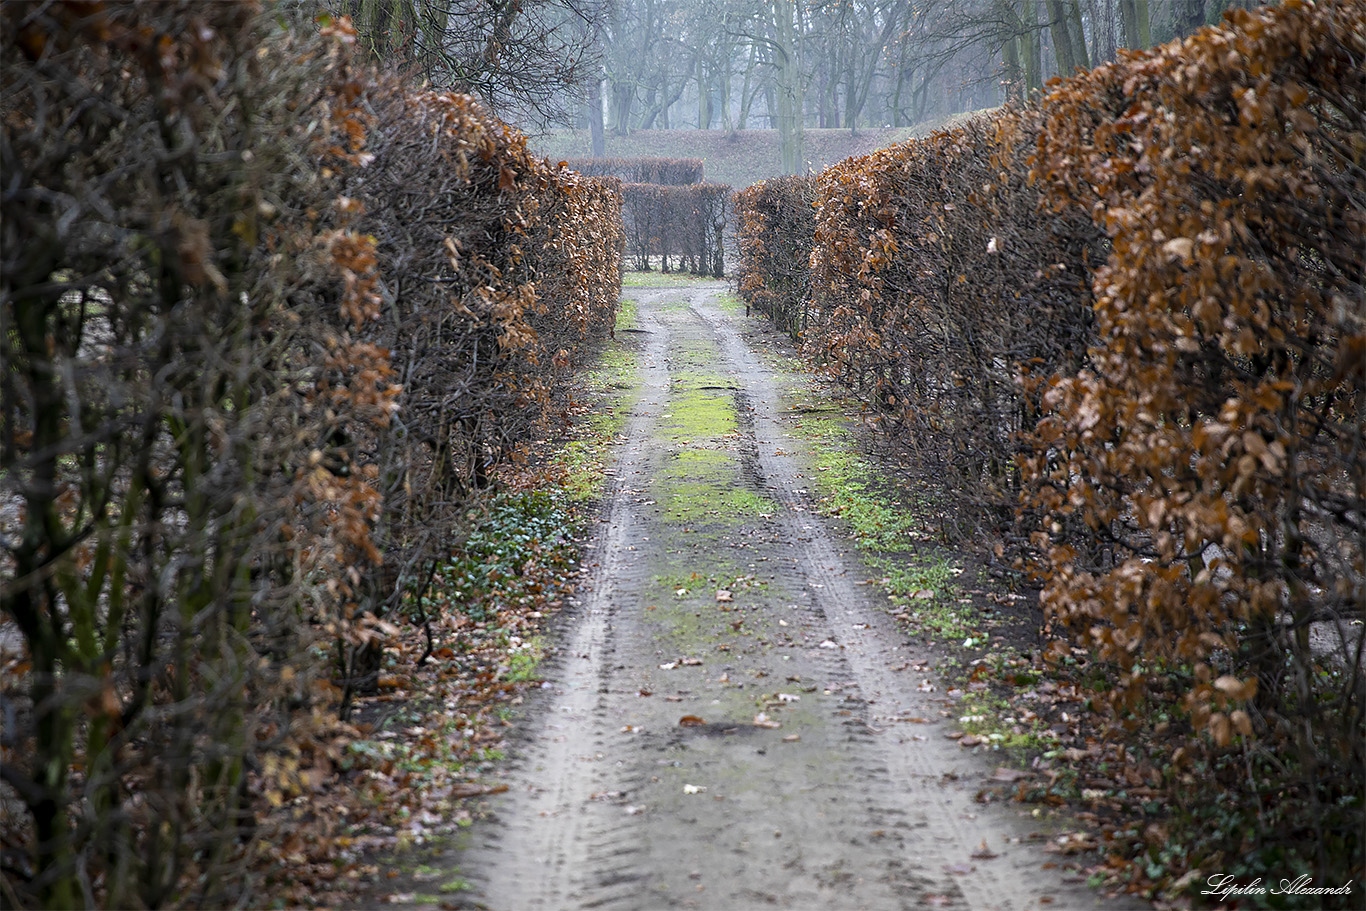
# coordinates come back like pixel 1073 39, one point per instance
pixel 476 790
pixel 984 853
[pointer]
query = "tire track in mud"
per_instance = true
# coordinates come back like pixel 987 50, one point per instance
pixel 614 804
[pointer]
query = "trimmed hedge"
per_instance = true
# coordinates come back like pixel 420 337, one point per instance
pixel 928 288
pixel 671 172
pixel 497 268
pixel 775 236
pixel 180 301
pixel 1216 449
pixel 684 222
pixel 268 321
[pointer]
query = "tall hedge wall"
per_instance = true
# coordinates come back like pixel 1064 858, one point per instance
pixel 670 172
pixel 267 318
pixel 775 237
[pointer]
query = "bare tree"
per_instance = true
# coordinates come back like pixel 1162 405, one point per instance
pixel 525 59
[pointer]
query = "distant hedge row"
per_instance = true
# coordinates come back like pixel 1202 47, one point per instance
pixel 686 223
pixel 1125 331
pixel 268 319
pixel 776 234
pixel 672 216
pixel 671 172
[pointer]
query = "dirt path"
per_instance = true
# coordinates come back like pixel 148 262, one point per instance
pixel 844 802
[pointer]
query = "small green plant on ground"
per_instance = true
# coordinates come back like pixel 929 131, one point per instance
pixel 729 303
pixel 658 279
pixel 524 542
pixel 922 581
pixel 524 658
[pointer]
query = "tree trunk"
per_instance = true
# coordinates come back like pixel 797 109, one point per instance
pixel 1076 34
pixel 703 94
pixel 1062 45
pixel 901 74
pixel 1187 16
pixel 1133 16
pixel 623 97
pixel 1069 42
pixel 1014 77
pixel 746 94
pixel 789 88
pixel 1102 31
pixel 595 124
pixel 726 123
pixel 1032 48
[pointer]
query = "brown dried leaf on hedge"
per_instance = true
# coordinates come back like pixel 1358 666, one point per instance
pixel 1215 448
pixel 497 269
pixel 210 242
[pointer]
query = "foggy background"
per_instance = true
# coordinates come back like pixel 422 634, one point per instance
pixel 620 66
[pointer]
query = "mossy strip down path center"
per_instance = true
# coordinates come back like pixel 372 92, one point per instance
pixel 732 720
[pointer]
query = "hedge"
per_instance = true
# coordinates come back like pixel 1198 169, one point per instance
pixel 684 222
pixel 775 237
pixel 928 287
pixel 672 172
pixel 497 269
pixel 268 318
pixel 1215 449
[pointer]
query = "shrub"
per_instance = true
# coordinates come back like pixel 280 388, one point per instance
pixel 1210 461
pixel 1139 304
pixel 777 224
pixel 673 172
pixel 180 295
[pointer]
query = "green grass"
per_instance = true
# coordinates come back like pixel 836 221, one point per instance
pixel 729 303
pixel 701 414
pixel 847 482
pixel 922 582
pixel 608 386
pixel 657 279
